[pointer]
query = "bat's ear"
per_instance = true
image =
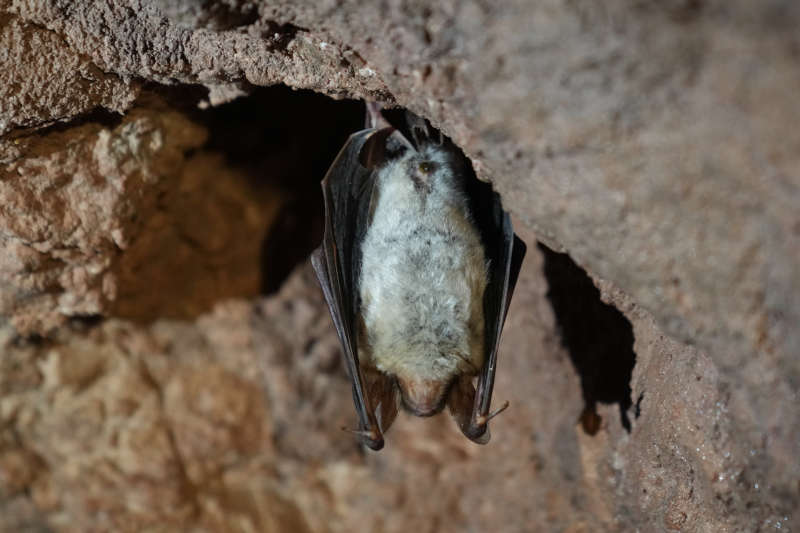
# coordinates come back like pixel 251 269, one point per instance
pixel 381 145
pixel 413 132
pixel 373 152
pixel 422 132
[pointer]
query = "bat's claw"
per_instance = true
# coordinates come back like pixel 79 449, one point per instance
pixel 482 420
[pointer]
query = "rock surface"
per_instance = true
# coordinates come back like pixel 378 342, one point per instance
pixel 656 142
pixel 98 220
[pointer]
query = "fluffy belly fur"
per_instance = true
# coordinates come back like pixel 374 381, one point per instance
pixel 423 277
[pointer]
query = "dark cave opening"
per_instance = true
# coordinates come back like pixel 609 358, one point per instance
pixel 281 139
pixel 287 139
pixel 597 336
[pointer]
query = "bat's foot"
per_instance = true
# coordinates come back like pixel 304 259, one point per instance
pixel 478 429
pixel 374 117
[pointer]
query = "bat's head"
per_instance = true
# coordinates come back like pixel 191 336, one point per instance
pixel 414 153
pixel 429 178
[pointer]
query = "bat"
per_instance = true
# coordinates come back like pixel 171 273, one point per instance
pixel 417 264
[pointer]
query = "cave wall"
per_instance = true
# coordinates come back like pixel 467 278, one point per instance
pixel 655 142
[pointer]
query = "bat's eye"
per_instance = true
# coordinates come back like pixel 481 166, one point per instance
pixel 426 167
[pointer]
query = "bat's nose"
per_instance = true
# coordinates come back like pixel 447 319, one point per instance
pixel 423 397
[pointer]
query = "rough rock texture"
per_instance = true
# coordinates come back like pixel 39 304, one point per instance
pixel 231 423
pixel 656 142
pixel 99 220
pixel 46 81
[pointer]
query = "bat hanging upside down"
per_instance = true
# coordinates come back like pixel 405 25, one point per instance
pixel 418 264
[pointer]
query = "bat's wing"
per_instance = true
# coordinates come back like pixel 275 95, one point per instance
pixel 347 190
pixel 505 252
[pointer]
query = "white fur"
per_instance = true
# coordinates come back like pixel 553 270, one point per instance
pixel 423 274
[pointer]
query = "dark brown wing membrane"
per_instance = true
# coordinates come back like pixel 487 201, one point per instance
pixel 497 298
pixel 347 189
pixel 505 253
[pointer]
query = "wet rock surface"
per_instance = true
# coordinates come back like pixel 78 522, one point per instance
pixel 148 383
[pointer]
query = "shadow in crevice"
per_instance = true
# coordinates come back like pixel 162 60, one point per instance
pixel 242 209
pixel 283 141
pixel 597 337
pixel 98 115
pixel 287 138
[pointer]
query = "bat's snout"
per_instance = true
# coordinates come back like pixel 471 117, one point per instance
pixel 423 397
